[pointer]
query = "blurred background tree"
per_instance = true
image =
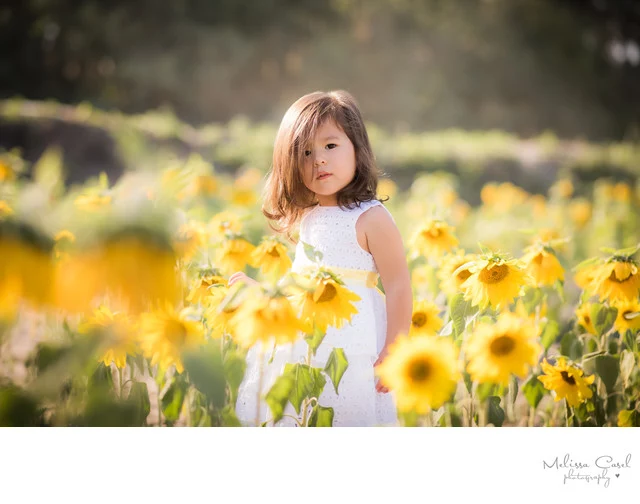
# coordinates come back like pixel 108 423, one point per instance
pixel 523 66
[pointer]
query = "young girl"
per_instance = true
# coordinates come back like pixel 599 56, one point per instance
pixel 324 178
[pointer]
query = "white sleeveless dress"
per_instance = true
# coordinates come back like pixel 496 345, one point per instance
pixel 332 231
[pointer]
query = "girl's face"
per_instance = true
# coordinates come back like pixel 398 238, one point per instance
pixel 330 163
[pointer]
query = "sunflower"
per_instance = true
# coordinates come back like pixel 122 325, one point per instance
pixel 26 265
pixel 92 202
pixel 10 293
pixel 217 314
pixel 222 304
pixel 243 196
pixel 5 209
pixel 622 192
pixel 495 351
pixel 425 320
pixel 64 242
pixel 452 278
pixel 120 328
pixel 201 287
pixel 566 381
pixel 494 281
pixel 583 314
pixel 324 301
pixel 205 185
pixel 543 265
pixel 234 254
pixel 271 257
pixel 387 187
pixel 165 333
pixel 628 318
pixel 7 173
pixel 224 222
pixel 562 188
pixel 421 276
pixel 433 239
pixel 585 274
pixel 139 268
pixel 617 280
pixel 189 238
pixel 265 318
pixel 580 211
pixel 423 372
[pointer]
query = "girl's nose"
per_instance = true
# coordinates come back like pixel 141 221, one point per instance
pixel 319 160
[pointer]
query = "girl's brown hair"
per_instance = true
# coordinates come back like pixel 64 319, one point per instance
pixel 285 196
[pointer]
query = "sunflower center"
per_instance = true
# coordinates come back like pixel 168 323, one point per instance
pixel 538 259
pixel 273 252
pixel 463 275
pixel 328 293
pixel 587 319
pixel 175 332
pixel 502 345
pixel 419 370
pixel 568 378
pixel 495 274
pixel 419 319
pixel 434 233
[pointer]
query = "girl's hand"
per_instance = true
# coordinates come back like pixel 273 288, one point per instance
pixel 239 276
pixel 380 387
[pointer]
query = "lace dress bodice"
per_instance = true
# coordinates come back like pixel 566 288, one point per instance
pixel 332 231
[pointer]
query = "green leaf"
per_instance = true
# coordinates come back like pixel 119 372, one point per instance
pixel 571 346
pixel 607 368
pixel 549 334
pixel 234 367
pixel 315 339
pixel 495 414
pixel 532 298
pixel 485 390
pixel 206 372
pixel 628 418
pixel 104 411
pixel 312 254
pixel 278 396
pixel 603 318
pixel 468 382
pixel 229 418
pixel 533 391
pixel 173 398
pixel 307 382
pixel 139 400
pixel 514 389
pixel 321 417
pixel 18 408
pixel 337 364
pixel 459 310
pixel 48 172
pixel 101 378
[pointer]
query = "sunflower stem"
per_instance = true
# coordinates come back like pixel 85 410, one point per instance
pixel 532 417
pixel 120 381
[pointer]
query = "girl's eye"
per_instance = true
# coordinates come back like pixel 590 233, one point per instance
pixel 307 153
pixel 331 146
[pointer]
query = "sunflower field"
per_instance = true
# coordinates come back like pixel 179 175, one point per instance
pixel 115 308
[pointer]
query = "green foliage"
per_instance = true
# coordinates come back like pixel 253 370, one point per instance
pixel 336 366
pixel 308 382
pixel 321 417
pixel 534 391
pixel 206 372
pixel 173 399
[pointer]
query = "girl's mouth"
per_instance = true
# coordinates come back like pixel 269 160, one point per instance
pixel 323 175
